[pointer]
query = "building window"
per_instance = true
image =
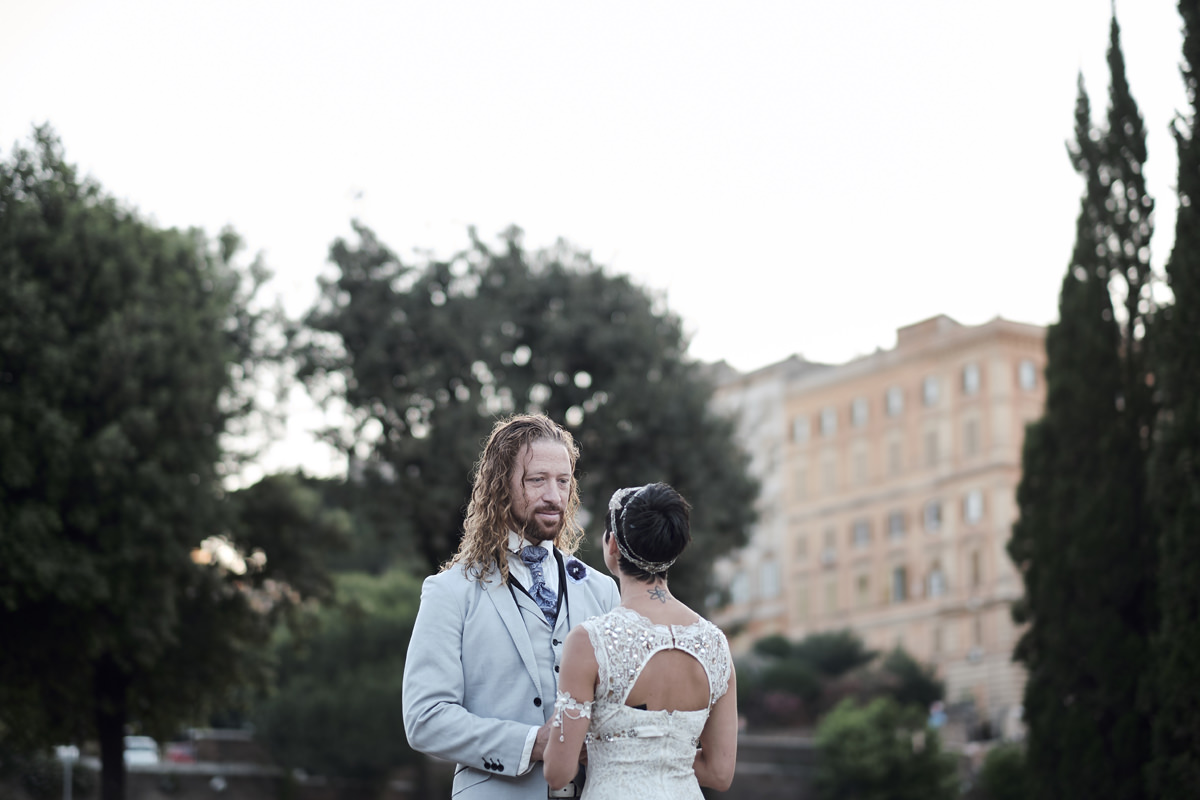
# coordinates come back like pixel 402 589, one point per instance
pixel 801 601
pixel 831 596
pixel 860 533
pixel 971 437
pixel 862 591
pixel 899 584
pixel 894 401
pixel 931 448
pixel 800 482
pixel 973 506
pixel 801 430
pixel 937 581
pixel 860 467
pixel 768 574
pixel 976 569
pixel 930 390
pixel 895 458
pixel 977 637
pixel 829 549
pixel 970 379
pixel 828 421
pixel 858 412
pixel 933 516
pixel 895 523
pixel 1027 375
pixel 937 638
pixel 829 475
pixel 739 589
pixel 800 547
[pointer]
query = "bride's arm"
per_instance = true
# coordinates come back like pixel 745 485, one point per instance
pixel 718 742
pixel 572 709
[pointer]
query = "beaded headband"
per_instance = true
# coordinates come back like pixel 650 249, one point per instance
pixel 616 523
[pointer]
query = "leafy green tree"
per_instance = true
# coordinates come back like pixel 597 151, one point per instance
pixel 1083 539
pixel 881 751
pixel 910 682
pixel 1176 465
pixel 1004 775
pixel 774 646
pixel 833 653
pixel 788 684
pixel 428 355
pixel 1129 580
pixel 376 539
pixel 121 347
pixel 336 702
pixel 288 529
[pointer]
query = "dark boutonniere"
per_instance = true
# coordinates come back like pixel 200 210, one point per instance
pixel 577 571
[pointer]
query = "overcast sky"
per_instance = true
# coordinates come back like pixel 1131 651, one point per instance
pixel 799 177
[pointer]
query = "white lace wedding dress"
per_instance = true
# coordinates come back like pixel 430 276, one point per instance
pixel 634 753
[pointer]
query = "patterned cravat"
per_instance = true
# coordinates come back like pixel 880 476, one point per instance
pixel 533 557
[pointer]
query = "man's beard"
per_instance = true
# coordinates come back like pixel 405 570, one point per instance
pixel 534 531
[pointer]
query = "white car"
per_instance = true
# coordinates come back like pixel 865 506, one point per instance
pixel 140 750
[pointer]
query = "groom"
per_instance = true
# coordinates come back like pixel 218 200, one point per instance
pixel 482 666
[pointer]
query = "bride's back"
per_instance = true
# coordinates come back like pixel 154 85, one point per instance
pixel 672 680
pixel 656 683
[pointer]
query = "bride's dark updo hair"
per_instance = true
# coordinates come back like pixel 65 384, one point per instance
pixel 652 526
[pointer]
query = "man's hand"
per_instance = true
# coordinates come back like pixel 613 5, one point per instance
pixel 539 744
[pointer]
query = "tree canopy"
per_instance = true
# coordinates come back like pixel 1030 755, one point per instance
pixel 782 683
pixel 428 355
pixel 335 706
pixel 1084 539
pixel 125 351
pixel 1176 464
pixel 882 750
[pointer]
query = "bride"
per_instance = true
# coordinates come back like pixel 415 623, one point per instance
pixel 649 686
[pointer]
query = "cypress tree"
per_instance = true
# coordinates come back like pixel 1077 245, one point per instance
pixel 1084 538
pixel 1175 772
pixel 1063 494
pixel 1125 549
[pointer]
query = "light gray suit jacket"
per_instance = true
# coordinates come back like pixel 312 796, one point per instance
pixel 474 682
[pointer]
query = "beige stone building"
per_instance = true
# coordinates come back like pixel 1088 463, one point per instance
pixel 889 488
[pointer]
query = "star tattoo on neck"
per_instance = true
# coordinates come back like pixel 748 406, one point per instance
pixel 658 594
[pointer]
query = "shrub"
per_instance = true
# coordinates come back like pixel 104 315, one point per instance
pixel 882 751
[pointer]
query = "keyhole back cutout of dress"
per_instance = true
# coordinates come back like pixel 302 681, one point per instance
pixel 672 680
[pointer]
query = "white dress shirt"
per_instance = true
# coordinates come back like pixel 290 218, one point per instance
pixel 520 570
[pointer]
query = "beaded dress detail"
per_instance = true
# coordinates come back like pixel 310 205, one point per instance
pixel 633 752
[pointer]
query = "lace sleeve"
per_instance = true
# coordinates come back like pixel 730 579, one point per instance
pixel 596 637
pixel 721 667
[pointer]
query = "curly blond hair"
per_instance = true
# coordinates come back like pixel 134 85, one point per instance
pixel 490 512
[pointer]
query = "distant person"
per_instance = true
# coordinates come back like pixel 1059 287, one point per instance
pixel 937 714
pixel 482 666
pixel 649 686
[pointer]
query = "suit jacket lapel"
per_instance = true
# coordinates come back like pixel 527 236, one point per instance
pixel 502 598
pixel 521 594
pixel 564 602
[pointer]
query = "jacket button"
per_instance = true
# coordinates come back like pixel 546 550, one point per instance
pixel 555 642
pixel 537 701
pixel 556 667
